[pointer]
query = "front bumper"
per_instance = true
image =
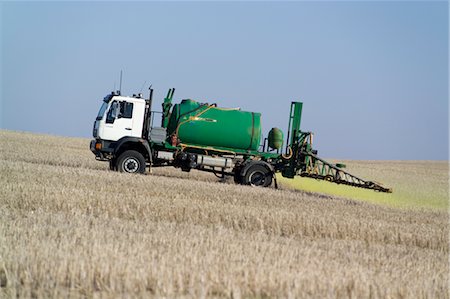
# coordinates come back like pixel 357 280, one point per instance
pixel 102 149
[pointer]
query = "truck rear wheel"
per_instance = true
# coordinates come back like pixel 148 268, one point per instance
pixel 258 175
pixel 131 162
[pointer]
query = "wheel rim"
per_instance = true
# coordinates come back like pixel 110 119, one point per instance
pixel 257 178
pixel 131 165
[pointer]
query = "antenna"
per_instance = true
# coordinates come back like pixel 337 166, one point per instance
pixel 120 87
pixel 140 91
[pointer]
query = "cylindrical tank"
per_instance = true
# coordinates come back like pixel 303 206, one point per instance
pixel 206 125
pixel 275 138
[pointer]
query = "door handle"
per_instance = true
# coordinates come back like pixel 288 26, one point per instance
pixel 129 129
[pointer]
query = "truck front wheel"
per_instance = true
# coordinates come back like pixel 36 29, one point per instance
pixel 113 164
pixel 131 162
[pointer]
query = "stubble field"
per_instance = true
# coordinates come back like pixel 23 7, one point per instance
pixel 71 228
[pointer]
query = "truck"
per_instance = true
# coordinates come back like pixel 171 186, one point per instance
pixel 206 137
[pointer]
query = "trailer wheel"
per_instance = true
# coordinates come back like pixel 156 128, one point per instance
pixel 257 175
pixel 131 162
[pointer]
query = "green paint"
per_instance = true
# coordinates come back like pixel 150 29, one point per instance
pixel 294 139
pixel 166 105
pixel 206 125
pixel 216 150
pixel 295 117
pixel 275 138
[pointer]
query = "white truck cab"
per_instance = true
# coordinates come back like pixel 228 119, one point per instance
pixel 120 116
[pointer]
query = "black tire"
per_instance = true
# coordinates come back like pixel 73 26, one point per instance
pixel 113 165
pixel 238 178
pixel 131 162
pixel 257 175
pixel 237 175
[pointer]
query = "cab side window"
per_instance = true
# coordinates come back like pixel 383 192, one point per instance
pixel 112 113
pixel 126 110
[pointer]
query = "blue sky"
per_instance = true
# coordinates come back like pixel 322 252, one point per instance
pixel 373 76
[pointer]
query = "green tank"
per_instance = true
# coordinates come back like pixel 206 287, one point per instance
pixel 207 125
pixel 275 138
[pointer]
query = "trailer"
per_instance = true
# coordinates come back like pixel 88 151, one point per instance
pixel 203 136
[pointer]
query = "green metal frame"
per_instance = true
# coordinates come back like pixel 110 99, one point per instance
pixel 299 160
pixel 295 117
pixel 318 168
pixel 215 150
pixel 302 159
pixel 166 105
pixel 294 138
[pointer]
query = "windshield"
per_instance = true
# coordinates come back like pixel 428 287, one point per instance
pixel 102 110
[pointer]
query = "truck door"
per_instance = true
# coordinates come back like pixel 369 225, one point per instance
pixel 119 121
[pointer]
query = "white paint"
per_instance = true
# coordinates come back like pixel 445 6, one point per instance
pixel 122 127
